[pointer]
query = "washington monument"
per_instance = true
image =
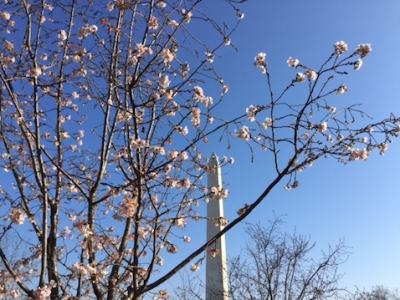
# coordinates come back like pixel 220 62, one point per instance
pixel 216 269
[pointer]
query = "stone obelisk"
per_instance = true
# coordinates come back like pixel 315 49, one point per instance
pixel 216 268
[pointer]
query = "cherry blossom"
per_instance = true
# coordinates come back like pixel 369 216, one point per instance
pixel 267 123
pixel 293 62
pixel 363 50
pixel 340 48
pixel 167 56
pixel 322 127
pixel 300 77
pixel 251 112
pixel 358 64
pixel 153 23
pixel 341 90
pixel 311 74
pixel 194 267
pixel 5 15
pixel 213 253
pixel 244 133
pixel 17 216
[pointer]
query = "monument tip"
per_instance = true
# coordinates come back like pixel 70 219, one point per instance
pixel 213 159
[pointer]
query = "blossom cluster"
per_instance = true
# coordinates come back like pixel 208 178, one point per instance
pixel 127 207
pixel 259 62
pixel 84 32
pixel 244 133
pixel 219 193
pixel 17 216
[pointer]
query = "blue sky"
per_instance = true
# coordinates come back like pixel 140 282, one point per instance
pixel 357 202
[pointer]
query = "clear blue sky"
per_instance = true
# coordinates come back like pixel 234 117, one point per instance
pixel 358 202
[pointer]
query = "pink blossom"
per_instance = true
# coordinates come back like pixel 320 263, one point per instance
pixel 127 207
pixel 153 23
pixel 382 147
pixel 311 74
pixel 322 127
pixel 5 15
pixel 184 156
pixel 194 267
pixel 8 45
pixel 244 133
pixel 300 77
pixel 42 293
pixel 173 24
pixel 171 248
pixel 213 253
pixel 251 112
pixel 161 3
pixel 17 216
pixel 188 16
pixel 259 62
pixel 292 62
pixel 358 64
pixel 180 222
pixel 267 123
pixel 363 50
pixel 341 90
pixel 167 56
pixel 210 57
pixel 340 47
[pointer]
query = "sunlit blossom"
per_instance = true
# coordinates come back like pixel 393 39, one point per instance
pixel 161 3
pixel 171 248
pixel 300 77
pixel 17 216
pixel 267 123
pixel 110 6
pixel 143 50
pixel 292 62
pixel 322 127
pixel 153 23
pixel 340 47
pixel 251 112
pixel 239 14
pixel 356 154
pixel 167 56
pixel 383 147
pixel 8 45
pixel 195 117
pixel 260 58
pixel 244 133
pixel 188 17
pixel 358 64
pixel 311 74
pixel 363 50
pixel 194 267
pixel 164 82
pixel 173 24
pixel 341 90
pixel 42 293
pixel 210 57
pixel 127 207
pixel 225 89
pixel 213 252
pixel 5 15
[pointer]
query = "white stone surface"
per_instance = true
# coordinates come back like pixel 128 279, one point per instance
pixel 216 268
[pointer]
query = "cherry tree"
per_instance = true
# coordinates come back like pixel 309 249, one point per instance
pixel 105 123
